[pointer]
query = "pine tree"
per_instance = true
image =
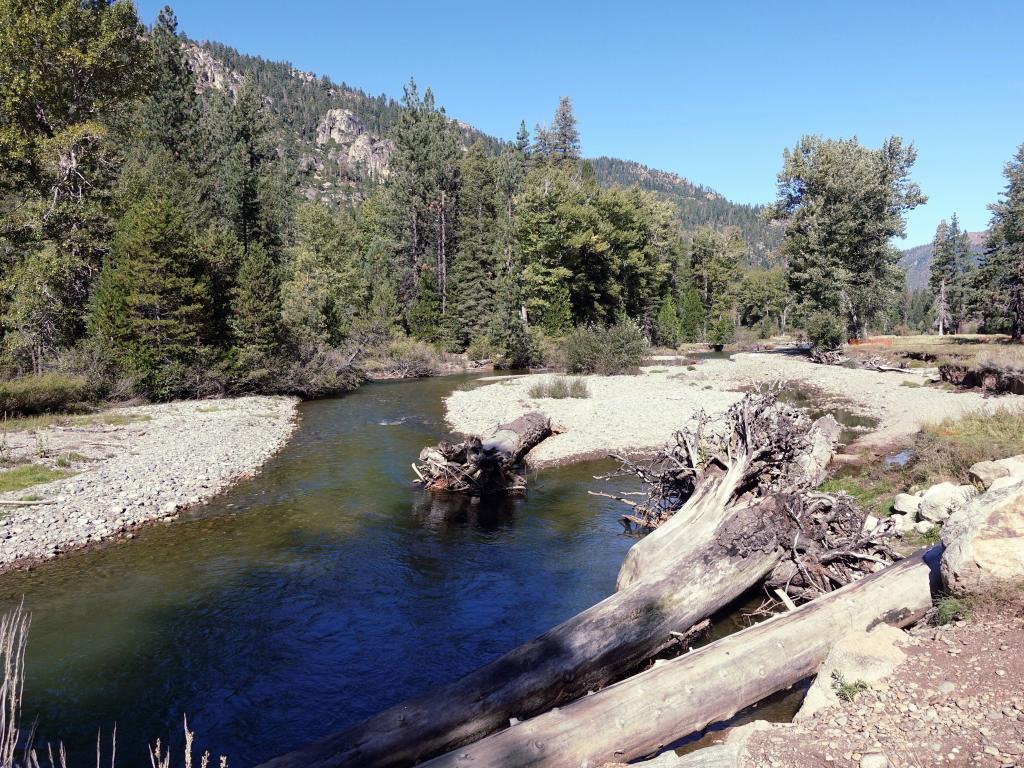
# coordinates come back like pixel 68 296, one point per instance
pixel 425 317
pixel 168 118
pixel 256 312
pixel 508 330
pixel 564 138
pixel 476 258
pixel 1001 277
pixel 420 218
pixel 843 204
pixel 151 305
pixel 691 315
pixel 666 326
pixel 951 274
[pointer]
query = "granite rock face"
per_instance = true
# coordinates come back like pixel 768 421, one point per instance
pixel 352 146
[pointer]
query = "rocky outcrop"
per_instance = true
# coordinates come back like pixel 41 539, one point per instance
pixel 984 543
pixel 211 72
pixel 352 146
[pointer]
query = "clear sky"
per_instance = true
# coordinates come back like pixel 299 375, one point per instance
pixel 713 90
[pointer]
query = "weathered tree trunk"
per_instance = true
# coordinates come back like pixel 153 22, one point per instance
pixel 689 570
pixel 485 465
pixel 642 714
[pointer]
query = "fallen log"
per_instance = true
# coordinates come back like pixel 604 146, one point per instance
pixel 483 465
pixel 734 530
pixel 644 713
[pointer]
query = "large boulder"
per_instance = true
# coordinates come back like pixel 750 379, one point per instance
pixel 984 543
pixel 859 656
pixel 942 500
pixel 984 473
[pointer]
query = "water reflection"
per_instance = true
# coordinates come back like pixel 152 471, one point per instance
pixel 320 592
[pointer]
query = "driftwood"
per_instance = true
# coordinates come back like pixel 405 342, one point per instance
pixel 481 466
pixel 643 714
pixel 705 556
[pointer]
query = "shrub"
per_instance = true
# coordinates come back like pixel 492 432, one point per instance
pixel 950 608
pixel 559 388
pixel 617 349
pixel 403 358
pixel 826 332
pixel 482 348
pixel 844 690
pixel 44 393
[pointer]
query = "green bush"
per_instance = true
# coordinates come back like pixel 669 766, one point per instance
pixel 950 608
pixel 43 394
pixel 559 388
pixel 403 358
pixel 619 348
pixel 825 331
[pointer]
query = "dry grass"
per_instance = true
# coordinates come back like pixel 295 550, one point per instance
pixel 993 352
pixel 559 388
pixel 946 450
pixel 48 420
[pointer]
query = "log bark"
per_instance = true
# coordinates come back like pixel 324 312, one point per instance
pixel 479 466
pixel 644 713
pixel 704 558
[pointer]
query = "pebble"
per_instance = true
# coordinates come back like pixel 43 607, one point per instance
pixel 150 475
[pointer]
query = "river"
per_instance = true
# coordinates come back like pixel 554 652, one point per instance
pixel 310 597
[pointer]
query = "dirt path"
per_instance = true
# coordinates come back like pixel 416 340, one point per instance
pixel 958 700
pixel 640 413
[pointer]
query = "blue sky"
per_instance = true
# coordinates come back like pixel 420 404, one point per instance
pixel 713 91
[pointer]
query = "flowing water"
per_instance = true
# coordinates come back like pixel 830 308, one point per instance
pixel 312 596
pixel 318 593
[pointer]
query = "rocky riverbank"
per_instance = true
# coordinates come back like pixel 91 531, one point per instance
pixel 132 466
pixel 640 413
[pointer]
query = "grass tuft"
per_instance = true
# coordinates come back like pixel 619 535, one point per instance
pixel 949 609
pixel 560 388
pixel 946 450
pixel 844 690
pixel 27 475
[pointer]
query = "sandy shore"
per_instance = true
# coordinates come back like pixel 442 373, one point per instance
pixel 640 413
pixel 133 466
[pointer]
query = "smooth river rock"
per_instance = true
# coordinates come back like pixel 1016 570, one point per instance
pixel 942 500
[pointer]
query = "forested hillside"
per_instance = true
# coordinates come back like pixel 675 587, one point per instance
pixel 179 220
pixel 308 108
pixel 696 205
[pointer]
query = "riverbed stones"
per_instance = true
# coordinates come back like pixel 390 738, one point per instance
pixel 161 456
pixel 942 500
pixel 904 523
pixel 985 473
pixel 984 543
pixel 907 504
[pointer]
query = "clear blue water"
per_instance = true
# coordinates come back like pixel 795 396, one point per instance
pixel 310 597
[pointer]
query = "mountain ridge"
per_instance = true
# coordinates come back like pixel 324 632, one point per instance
pixel 338 137
pixel 918 259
